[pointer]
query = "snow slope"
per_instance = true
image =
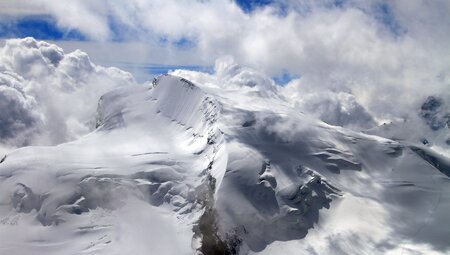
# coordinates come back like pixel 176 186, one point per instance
pixel 301 186
pixel 430 126
pixel 205 166
pixel 141 173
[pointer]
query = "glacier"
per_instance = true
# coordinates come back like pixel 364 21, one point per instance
pixel 192 164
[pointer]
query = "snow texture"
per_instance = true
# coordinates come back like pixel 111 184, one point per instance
pixel 196 163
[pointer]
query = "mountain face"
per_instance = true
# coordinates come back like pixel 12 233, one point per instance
pixel 175 166
pixel 431 111
pixel 429 125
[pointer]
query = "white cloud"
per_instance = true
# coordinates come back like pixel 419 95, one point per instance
pixel 17 116
pixel 21 8
pixel 229 74
pixel 351 47
pixel 47 96
pixel 335 108
pixel 389 55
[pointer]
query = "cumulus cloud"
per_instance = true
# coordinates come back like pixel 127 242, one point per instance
pixel 386 56
pixel 17 116
pixel 230 75
pixel 47 96
pixel 335 108
pixel 390 55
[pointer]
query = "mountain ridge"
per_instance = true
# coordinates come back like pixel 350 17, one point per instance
pixel 181 167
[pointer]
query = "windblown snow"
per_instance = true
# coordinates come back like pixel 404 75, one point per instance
pixel 196 163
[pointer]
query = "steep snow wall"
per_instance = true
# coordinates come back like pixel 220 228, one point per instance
pixel 149 153
pixel 176 167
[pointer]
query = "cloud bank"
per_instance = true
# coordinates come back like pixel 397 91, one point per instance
pixel 375 61
pixel 334 108
pixel 47 96
pixel 390 55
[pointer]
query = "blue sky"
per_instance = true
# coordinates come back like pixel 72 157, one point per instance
pixel 250 5
pixel 373 49
pixel 45 27
pixel 316 39
pixel 39 26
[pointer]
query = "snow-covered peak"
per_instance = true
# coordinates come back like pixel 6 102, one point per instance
pixel 429 125
pixel 229 75
pixel 215 165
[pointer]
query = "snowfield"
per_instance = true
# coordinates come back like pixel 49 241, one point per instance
pixel 196 163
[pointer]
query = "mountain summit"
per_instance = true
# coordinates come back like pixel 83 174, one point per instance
pixel 175 166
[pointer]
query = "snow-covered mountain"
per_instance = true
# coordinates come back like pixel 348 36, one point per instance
pixel 194 164
pixel 430 126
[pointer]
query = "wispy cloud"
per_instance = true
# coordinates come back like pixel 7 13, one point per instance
pixel 41 27
pixel 389 54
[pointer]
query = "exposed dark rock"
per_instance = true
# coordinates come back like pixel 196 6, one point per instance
pixel 431 112
pixel 3 159
pixel 206 229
